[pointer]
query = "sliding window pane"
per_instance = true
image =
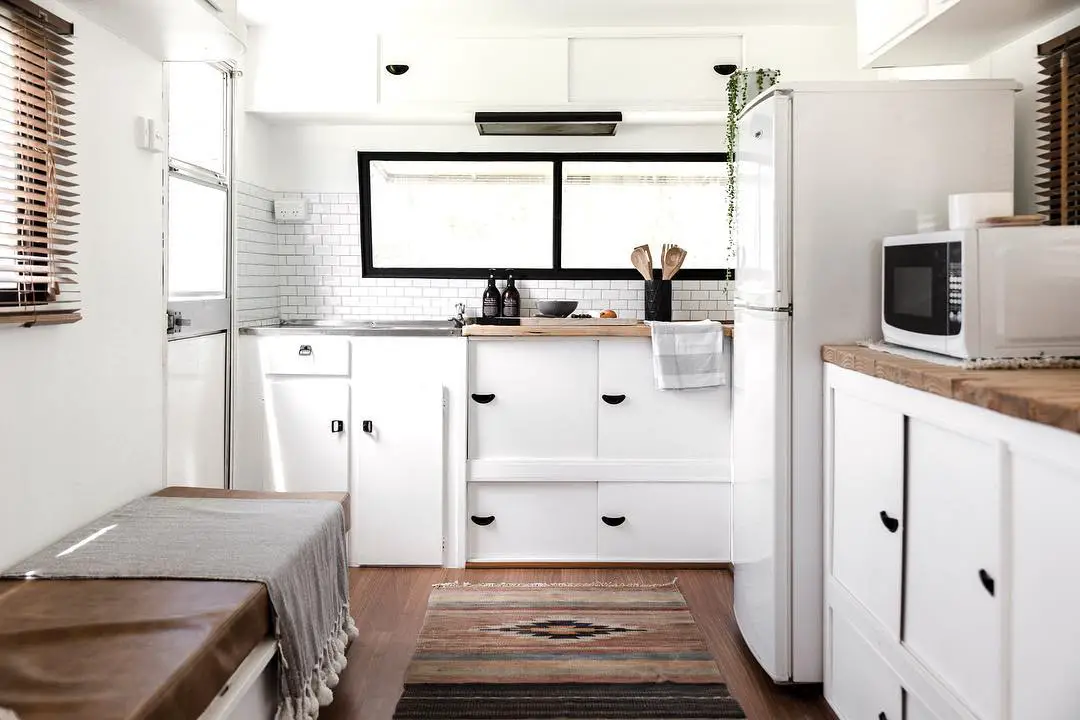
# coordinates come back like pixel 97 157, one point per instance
pixel 197 239
pixel 611 207
pixel 197 115
pixel 456 214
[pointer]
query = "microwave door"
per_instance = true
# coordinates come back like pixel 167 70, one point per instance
pixel 921 298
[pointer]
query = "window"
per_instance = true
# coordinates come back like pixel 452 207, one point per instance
pixel 570 216
pixel 37 172
pixel 1059 126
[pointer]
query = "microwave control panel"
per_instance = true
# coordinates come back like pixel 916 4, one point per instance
pixel 956 288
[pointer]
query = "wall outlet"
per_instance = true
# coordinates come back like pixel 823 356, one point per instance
pixel 291 210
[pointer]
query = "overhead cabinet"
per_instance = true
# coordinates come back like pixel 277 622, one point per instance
pixel 898 33
pixel 945 525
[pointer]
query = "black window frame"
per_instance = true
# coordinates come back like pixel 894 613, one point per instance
pixel 556 272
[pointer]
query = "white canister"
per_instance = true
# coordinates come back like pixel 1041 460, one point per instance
pixel 967 210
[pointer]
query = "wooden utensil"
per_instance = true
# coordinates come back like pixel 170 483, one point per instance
pixel 648 254
pixel 673 261
pixel 641 259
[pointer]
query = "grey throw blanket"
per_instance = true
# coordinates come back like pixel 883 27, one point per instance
pixel 295 547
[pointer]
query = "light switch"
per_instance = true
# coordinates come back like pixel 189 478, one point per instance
pixel 150 135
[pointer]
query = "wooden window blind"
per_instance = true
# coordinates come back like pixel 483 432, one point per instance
pixel 38 190
pixel 1058 181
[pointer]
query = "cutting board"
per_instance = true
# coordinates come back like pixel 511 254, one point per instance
pixel 577 322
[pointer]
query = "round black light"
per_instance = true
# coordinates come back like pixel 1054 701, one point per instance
pixel 397 69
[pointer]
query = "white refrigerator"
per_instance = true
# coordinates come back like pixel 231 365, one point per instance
pixel 825 171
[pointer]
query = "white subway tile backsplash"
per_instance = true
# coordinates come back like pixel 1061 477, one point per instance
pixel 312 270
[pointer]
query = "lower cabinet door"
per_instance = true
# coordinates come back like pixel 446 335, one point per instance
pixel 307 423
pixel 532 522
pixel 859 684
pixel 664 522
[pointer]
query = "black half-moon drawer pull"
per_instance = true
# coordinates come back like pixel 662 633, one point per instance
pixel 613 521
pixel 483 399
pixel 987 581
pixel 882 716
pixel 305 351
pixel 483 521
pixel 613 399
pixel 891 524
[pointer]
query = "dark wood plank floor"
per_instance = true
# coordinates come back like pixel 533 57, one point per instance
pixel 389 605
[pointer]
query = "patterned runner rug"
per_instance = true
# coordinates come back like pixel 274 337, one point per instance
pixel 495 652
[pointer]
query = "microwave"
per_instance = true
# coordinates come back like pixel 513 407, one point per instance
pixel 984 294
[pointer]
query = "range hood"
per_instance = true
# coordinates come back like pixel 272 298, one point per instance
pixel 548 123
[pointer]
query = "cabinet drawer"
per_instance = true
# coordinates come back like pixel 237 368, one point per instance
pixel 664 522
pixel 859 684
pixel 532 398
pixel 952 606
pixel 635 420
pixel 532 521
pixel 868 504
pixel 304 355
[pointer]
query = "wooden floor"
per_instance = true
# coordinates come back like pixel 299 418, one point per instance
pixel 389 605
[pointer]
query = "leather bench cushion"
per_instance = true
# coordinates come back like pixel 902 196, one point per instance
pixel 124 649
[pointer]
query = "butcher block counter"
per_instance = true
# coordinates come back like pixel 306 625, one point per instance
pixel 531 328
pixel 1049 397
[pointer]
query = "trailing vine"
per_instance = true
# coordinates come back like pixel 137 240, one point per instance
pixel 739 93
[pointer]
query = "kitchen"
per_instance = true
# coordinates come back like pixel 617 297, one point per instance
pixel 333 338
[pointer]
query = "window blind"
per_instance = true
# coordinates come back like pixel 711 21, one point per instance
pixel 38 188
pixel 1058 181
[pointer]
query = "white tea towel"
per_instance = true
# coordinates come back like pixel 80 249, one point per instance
pixel 688 354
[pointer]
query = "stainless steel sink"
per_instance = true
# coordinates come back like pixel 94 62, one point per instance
pixel 435 328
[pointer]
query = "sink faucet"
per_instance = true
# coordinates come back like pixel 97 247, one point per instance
pixel 459 318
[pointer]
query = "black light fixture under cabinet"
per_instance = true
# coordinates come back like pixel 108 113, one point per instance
pixel 397 69
pixel 595 124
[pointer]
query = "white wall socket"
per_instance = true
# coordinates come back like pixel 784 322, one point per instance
pixel 292 210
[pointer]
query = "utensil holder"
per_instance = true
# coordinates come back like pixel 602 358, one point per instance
pixel 658 300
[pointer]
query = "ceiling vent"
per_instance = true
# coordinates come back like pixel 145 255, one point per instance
pixel 596 124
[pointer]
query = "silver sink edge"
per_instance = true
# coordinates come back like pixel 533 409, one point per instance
pixel 392 328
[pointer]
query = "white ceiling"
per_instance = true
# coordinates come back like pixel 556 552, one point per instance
pixel 435 15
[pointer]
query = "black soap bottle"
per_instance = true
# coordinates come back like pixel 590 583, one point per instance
pixel 492 306
pixel 511 299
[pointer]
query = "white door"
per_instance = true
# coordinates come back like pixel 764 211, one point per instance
pixel 762 278
pixel 761 485
pixel 953 587
pixel 397 496
pixel 532 522
pixel 198 277
pixel 859 685
pixel 670 522
pixel 309 434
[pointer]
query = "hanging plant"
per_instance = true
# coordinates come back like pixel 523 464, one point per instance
pixel 742 87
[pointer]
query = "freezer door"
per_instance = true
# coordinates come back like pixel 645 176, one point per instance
pixel 763 272
pixel 761 476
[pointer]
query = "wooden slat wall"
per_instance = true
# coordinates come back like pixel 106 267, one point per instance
pixel 1058 181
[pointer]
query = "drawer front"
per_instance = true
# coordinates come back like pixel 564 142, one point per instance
pixel 532 522
pixel 859 684
pixel 953 585
pixel 664 522
pixel 304 355
pixel 868 504
pixel 635 420
pixel 532 398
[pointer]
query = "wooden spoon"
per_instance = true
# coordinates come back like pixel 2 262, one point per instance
pixel 673 261
pixel 641 259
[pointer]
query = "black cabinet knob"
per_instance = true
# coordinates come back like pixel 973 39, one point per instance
pixel 483 521
pixel 337 426
pixel 613 399
pixel 613 521
pixel 987 581
pixel 305 351
pixel 483 399
pixel 891 524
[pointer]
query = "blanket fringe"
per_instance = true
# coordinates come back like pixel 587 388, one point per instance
pixel 319 691
pixel 442 586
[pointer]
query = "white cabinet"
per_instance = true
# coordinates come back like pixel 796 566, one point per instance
pixel 473 72
pixel 305 355
pixel 1045 623
pixel 952 609
pixel 532 398
pixel 663 522
pixel 309 434
pixel 532 522
pixel 867 481
pixel 627 71
pixel 635 420
pixel 859 683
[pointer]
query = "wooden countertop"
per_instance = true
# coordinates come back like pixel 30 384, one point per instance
pixel 639 330
pixel 1049 397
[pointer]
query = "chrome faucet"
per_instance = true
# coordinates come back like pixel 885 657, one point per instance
pixel 459 318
